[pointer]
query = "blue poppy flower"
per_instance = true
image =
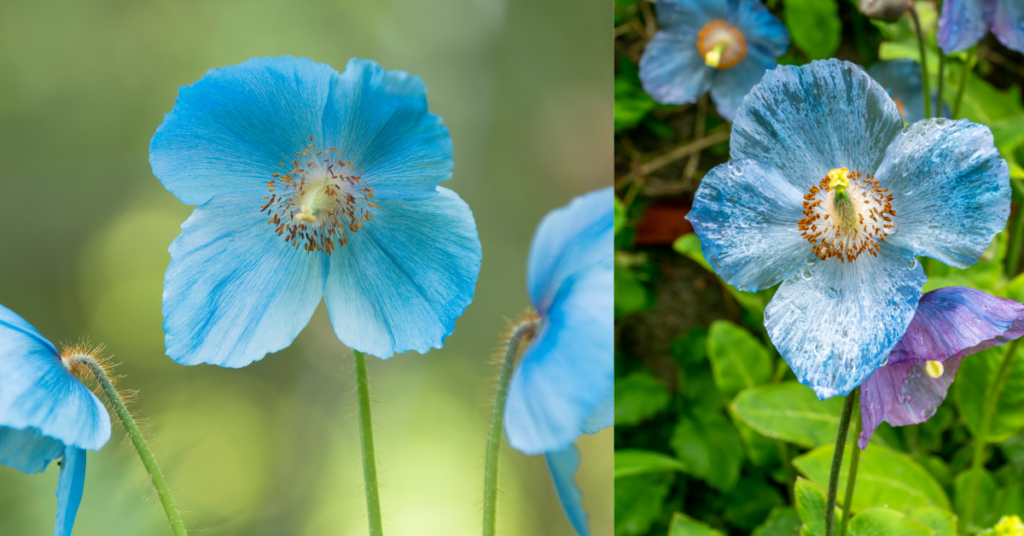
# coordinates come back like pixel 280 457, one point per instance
pixel 829 194
pixel 964 22
pixel 563 387
pixel 901 78
pixel 722 46
pixel 311 184
pixel 46 413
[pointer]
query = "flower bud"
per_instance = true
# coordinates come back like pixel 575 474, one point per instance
pixel 886 10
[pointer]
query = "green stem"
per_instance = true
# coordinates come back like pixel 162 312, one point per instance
pixel 837 464
pixel 1016 235
pixel 942 77
pixel 146 455
pixel 963 83
pixel 521 332
pixel 988 410
pixel 366 436
pixel 851 477
pixel 924 61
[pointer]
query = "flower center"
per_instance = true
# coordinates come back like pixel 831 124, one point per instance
pixel 846 215
pixel 318 200
pixel 721 44
pixel 934 369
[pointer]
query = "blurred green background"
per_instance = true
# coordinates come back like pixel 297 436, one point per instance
pixel 272 449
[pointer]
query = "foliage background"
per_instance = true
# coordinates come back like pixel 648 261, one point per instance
pixel 273 448
pixel 707 414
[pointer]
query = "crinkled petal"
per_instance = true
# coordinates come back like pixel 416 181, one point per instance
pixel 228 131
pixel 745 214
pixel 877 395
pixel 603 415
pixel 567 372
pixel 69 490
pixel 835 322
pixel 235 291
pixel 691 15
pixel 403 279
pixel 961 25
pixel 672 71
pixel 950 188
pixel 28 450
pixel 807 120
pixel 569 240
pixel 563 465
pixel 762 31
pixel 380 121
pixel 920 395
pixel 37 391
pixel 730 86
pixel 1007 23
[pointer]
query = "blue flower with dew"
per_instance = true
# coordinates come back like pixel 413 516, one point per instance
pixel 830 195
pixel 721 46
pixel 46 413
pixel 311 184
pixel 901 78
pixel 964 22
pixel 563 387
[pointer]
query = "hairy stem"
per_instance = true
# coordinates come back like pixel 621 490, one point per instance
pixel 837 464
pixel 851 478
pixel 366 437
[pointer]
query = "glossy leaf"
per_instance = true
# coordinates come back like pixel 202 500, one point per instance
pixel 814 26
pixel 683 525
pixel 738 360
pixel 639 396
pixel 790 412
pixel 881 521
pixel 632 462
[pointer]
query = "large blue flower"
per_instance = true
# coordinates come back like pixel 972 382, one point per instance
pixel 311 184
pixel 722 46
pixel 829 194
pixel 964 22
pixel 901 78
pixel 46 414
pixel 563 387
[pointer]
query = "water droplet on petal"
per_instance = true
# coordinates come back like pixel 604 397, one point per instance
pixel 912 263
pixel 737 170
pixel 833 293
pixel 906 130
pixel 806 273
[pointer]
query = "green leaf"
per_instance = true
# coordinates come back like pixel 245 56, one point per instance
pixel 620 214
pixel 639 397
pixel 631 104
pixel 710 449
pixel 943 522
pixel 632 462
pixel 885 478
pixel 810 506
pixel 986 511
pixel 749 503
pixel 976 373
pixel 630 294
pixel 814 26
pixel 782 521
pixel 689 245
pixel 638 501
pixel 738 360
pixel 683 525
pixel 880 521
pixel 761 450
pixel 790 412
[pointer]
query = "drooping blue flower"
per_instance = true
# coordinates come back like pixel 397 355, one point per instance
pixel 964 22
pixel 722 46
pixel 901 78
pixel 563 387
pixel 311 184
pixel 829 194
pixel 46 414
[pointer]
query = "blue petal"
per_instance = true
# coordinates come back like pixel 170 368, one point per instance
pixel 690 15
pixel 745 214
pixel 27 450
pixel 235 291
pixel 950 188
pixel 807 120
pixel 380 120
pixel 37 391
pixel 763 32
pixel 569 240
pixel 567 372
pixel 730 86
pixel 835 322
pixel 961 25
pixel 563 465
pixel 603 415
pixel 902 79
pixel 405 277
pixel 1007 23
pixel 69 490
pixel 672 71
pixel 228 131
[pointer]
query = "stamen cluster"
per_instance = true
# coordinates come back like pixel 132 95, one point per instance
pixel 721 44
pixel 843 220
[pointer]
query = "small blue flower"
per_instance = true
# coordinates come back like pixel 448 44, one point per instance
pixel 563 387
pixel 722 46
pixel 46 414
pixel 964 22
pixel 902 80
pixel 829 194
pixel 311 184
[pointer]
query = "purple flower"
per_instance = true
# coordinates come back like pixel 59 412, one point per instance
pixel 964 22
pixel 949 324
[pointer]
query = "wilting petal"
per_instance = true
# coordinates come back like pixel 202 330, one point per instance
pixel 69 490
pixel 563 465
pixel 27 450
pixel 961 25
pixel 672 70
pixel 405 277
pixel 877 395
pixel 732 85
pixel 1007 23
pixel 950 187
pixel 235 291
pixel 745 214
pixel 921 394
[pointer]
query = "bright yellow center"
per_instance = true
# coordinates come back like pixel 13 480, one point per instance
pixel 934 369
pixel 846 214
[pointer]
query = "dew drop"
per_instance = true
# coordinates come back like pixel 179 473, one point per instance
pixel 737 170
pixel 912 263
pixel 906 130
pixel 833 293
pixel 806 273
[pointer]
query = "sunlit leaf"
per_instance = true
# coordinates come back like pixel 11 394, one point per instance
pixel 790 412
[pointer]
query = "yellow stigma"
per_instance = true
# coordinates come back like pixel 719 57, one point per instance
pixel 839 177
pixel 934 369
pixel 847 213
pixel 305 214
pixel 714 56
pixel 1010 526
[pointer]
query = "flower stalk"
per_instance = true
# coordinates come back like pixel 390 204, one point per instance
pixel 837 464
pixel 924 60
pixel 366 438
pixel 851 478
pixel 964 75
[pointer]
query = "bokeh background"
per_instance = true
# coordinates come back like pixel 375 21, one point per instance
pixel 272 449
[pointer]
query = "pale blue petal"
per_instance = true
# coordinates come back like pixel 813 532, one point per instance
pixel 672 71
pixel 764 33
pixel 807 120
pixel 228 131
pixel 69 490
pixel 235 291
pixel 380 120
pixel 690 15
pixel 563 465
pixel 567 371
pixel 27 450
pixel 603 415
pixel 569 240
pixel 1007 23
pixel 961 25
pixel 746 214
pixel 730 86
pixel 950 187
pixel 37 391
pixel 834 323
pixel 405 277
